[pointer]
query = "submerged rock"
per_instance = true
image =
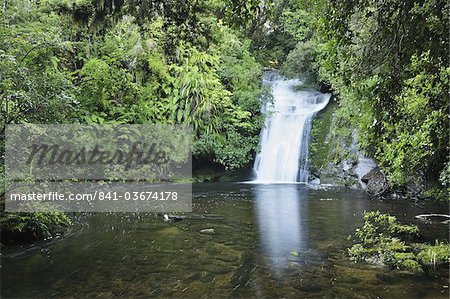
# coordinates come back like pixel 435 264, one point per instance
pixel 294 253
pixel 207 231
pixel 173 217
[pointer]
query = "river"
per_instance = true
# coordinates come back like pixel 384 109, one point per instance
pixel 256 228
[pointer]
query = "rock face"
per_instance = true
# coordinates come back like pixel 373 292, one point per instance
pixel 375 181
pixel 338 162
pixel 335 158
pixel 347 173
pixel 337 174
pixel 364 166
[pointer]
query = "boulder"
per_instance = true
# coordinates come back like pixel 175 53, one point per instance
pixel 376 182
pixel 315 181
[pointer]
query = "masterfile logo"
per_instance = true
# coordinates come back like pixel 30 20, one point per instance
pixel 96 168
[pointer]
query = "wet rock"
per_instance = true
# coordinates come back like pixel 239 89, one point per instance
pixel 243 274
pixel 315 181
pixel 227 258
pixel 206 277
pixel 376 182
pixel 309 285
pixel 346 166
pixel 363 167
pixel 296 259
pixel 173 217
pixel 335 174
pixel 191 276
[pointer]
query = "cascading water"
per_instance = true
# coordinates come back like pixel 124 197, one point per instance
pixel 285 137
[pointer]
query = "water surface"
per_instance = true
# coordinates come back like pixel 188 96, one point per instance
pixel 248 255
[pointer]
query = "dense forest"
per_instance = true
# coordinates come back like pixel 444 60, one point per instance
pixel 115 62
pixel 199 63
pixel 387 63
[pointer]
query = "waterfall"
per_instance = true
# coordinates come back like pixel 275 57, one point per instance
pixel 285 137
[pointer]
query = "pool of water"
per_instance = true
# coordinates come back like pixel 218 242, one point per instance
pixel 256 227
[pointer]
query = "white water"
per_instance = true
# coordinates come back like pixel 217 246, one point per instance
pixel 285 137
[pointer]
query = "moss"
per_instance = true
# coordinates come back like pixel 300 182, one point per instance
pixel 383 239
pixel 319 154
pixel 23 227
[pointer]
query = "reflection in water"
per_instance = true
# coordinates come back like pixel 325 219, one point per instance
pixel 280 214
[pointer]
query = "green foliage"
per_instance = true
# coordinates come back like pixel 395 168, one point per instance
pixel 106 92
pixel 436 254
pixel 379 227
pixel 445 174
pixel 177 64
pixel 227 153
pixel 38 225
pixel 198 92
pixel 420 128
pixel 124 62
pixel 299 62
pixel 383 239
pixel 271 42
pixel 387 63
pixel 34 85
